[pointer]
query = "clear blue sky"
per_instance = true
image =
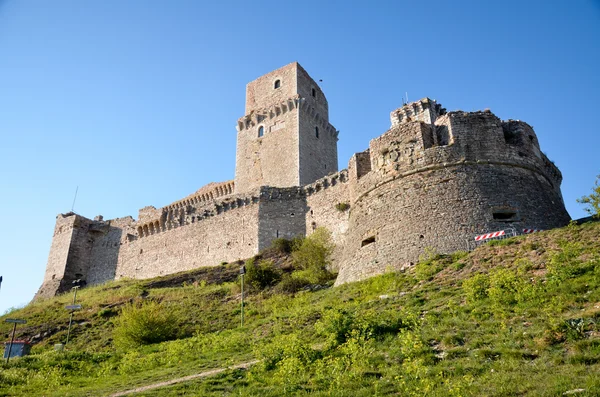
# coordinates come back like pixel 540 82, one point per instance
pixel 136 102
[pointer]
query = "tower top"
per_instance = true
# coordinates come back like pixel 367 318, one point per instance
pixel 281 84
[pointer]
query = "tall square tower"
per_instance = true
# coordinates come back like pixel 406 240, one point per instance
pixel 285 138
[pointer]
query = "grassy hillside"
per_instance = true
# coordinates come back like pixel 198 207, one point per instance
pixel 514 317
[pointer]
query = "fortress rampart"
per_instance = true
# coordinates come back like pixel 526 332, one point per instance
pixel 435 179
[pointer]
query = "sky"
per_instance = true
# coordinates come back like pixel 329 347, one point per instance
pixel 134 103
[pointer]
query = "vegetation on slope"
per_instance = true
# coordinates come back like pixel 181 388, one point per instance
pixel 517 316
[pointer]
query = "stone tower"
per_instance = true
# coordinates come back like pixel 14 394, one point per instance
pixel 285 138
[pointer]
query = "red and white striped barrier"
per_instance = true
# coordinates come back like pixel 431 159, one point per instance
pixel 527 231
pixel 489 235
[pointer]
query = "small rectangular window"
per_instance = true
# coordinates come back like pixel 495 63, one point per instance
pixel 504 216
pixel 367 241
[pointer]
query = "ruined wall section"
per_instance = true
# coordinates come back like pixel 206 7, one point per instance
pixel 439 185
pixel 425 110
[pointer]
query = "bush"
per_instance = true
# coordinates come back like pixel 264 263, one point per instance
pixel 476 287
pixel 262 275
pixel 282 245
pixel 504 287
pixel 143 324
pixel 290 285
pixel 313 255
pixel 342 207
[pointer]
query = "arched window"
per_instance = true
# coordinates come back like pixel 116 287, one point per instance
pixel 317 132
pixel 277 84
pixel 261 131
pixel 314 92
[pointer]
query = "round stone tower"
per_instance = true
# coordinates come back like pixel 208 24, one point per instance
pixel 437 179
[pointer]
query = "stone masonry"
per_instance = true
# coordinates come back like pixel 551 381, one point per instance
pixel 435 179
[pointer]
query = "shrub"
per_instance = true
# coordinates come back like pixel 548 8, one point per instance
pixel 476 287
pixel 144 323
pixel 290 285
pixel 342 207
pixel 504 286
pixel 458 255
pixel 313 255
pixel 282 245
pixel 262 275
pixel 429 264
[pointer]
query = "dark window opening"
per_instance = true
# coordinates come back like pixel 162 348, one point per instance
pixel 421 237
pixel 531 138
pixel 292 214
pixel 504 215
pixel 367 241
pixel 261 131
pixel 317 132
pixel 314 92
pixel 277 84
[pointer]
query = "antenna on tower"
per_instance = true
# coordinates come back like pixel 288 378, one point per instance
pixel 74 198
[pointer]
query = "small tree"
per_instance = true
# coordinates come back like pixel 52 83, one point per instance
pixel 592 202
pixel 313 256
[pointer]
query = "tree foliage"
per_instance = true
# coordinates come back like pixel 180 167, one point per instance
pixel 592 201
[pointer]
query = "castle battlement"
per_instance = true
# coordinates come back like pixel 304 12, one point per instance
pixel 434 179
pixel 425 110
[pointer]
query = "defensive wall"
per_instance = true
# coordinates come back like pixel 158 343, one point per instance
pixel 438 185
pixel 434 179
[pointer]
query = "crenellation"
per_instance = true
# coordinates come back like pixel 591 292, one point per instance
pixel 434 179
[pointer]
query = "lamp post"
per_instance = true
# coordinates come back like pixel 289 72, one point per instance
pixel 242 273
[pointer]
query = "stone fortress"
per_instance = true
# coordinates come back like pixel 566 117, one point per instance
pixel 434 179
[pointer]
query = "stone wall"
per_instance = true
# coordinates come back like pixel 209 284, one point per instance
pixel 317 145
pixel 58 256
pixel 225 233
pixel 107 237
pixel 281 214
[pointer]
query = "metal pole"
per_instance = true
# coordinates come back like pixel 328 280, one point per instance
pixel 12 339
pixel 242 300
pixel 74 198
pixel 71 316
pixel 69 330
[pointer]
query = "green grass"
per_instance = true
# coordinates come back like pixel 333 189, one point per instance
pixel 518 318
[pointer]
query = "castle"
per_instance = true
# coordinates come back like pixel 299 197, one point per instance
pixel 434 179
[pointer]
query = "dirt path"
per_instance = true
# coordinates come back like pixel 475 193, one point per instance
pixel 184 379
